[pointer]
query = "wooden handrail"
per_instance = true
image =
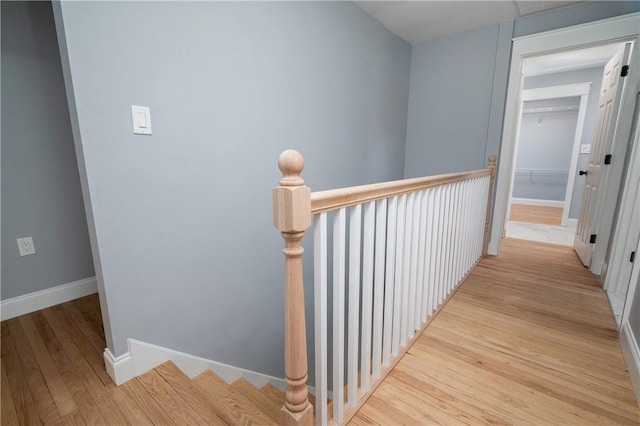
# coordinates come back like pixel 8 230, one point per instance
pixel 322 201
pixel 293 207
pixel 292 215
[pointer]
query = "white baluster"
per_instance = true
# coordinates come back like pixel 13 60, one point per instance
pixel 339 244
pixel 378 293
pixel 428 263
pixel 406 270
pixel 437 248
pixel 400 256
pixel 355 232
pixel 421 299
pixel 389 287
pixel 367 293
pixel 320 314
pixel 413 268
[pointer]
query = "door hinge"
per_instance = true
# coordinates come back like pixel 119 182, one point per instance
pixel 592 239
pixel 632 257
pixel 607 159
pixel 625 71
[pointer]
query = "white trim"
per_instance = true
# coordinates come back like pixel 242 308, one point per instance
pixel 590 34
pixel 627 230
pixel 535 202
pixel 142 357
pixel 631 354
pixel 553 92
pixel 43 299
pixel 571 223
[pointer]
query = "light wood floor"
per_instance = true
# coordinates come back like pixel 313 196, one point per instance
pixel 536 214
pixel 527 339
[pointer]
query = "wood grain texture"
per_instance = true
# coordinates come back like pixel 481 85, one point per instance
pixel 527 339
pixel 536 214
pixel 332 199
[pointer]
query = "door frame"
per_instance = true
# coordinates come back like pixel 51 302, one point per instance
pixel 555 92
pixel 625 238
pixel 619 29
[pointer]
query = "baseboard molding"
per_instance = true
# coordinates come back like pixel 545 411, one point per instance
pixel 42 299
pixel 535 202
pixel 631 353
pixel 142 357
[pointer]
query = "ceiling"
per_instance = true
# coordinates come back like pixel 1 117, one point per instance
pixel 420 21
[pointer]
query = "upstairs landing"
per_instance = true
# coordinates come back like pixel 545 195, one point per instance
pixel 528 338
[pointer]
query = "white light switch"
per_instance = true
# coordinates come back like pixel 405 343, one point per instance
pixel 141 117
pixel 585 149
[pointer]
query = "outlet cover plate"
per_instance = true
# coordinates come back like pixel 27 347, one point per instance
pixel 25 246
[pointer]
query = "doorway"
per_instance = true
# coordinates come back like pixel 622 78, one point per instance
pixel 545 195
pixel 573 42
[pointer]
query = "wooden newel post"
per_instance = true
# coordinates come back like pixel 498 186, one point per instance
pixel 292 215
pixel 492 167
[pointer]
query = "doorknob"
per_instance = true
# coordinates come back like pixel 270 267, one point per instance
pixel 583 172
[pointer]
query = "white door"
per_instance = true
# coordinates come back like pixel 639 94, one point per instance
pixel 608 105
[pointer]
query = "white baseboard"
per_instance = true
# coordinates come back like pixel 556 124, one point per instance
pixel 535 202
pixel 142 357
pixel 631 353
pixel 35 301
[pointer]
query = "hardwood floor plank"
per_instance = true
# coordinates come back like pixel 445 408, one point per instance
pixel 45 405
pixel 176 407
pixel 89 352
pixel 230 404
pixel 197 399
pixel 59 392
pixel 528 339
pixel 536 214
pixel 156 414
pixel 87 388
pixel 9 416
pixel 25 408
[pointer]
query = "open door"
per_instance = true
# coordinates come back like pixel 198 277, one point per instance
pixel 608 106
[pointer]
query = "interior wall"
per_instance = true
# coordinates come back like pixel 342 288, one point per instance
pixel 449 99
pixel 594 76
pixel 41 195
pixel 183 219
pixel 545 146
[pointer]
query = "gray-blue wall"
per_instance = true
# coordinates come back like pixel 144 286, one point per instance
pixel 41 194
pixel 458 88
pixel 593 75
pixel 190 259
pixel 545 145
pixel 449 102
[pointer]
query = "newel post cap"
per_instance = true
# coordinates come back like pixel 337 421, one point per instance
pixel 292 199
pixel 291 163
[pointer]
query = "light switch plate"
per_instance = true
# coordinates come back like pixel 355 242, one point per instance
pixel 141 117
pixel 585 149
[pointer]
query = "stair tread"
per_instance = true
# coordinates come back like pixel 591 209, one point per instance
pixel 176 407
pixel 234 406
pixel 259 399
pixel 275 394
pixel 193 395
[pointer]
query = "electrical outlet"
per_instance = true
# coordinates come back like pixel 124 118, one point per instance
pixel 25 246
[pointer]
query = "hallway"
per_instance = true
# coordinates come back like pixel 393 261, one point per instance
pixel 528 338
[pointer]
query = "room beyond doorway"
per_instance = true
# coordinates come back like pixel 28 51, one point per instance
pixel 538 223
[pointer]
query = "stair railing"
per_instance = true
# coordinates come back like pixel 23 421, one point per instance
pixel 410 244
